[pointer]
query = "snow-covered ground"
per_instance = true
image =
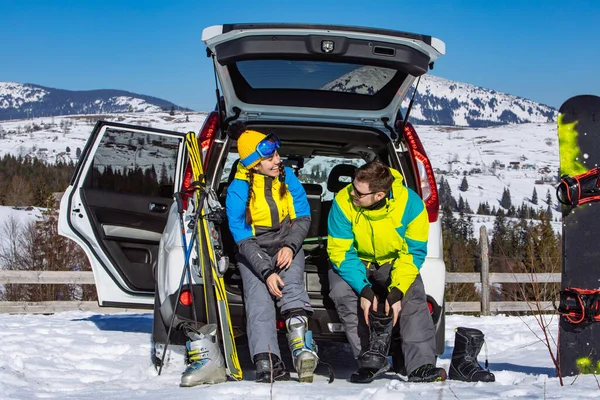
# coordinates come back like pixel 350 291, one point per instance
pixel 77 355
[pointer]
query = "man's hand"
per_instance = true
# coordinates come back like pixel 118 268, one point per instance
pixel 394 302
pixel 284 257
pixel 367 301
pixel 366 305
pixel 396 308
pixel 274 283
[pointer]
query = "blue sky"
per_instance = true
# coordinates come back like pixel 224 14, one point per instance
pixel 546 51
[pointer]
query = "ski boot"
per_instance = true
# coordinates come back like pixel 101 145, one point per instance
pixel 207 364
pixel 263 362
pixel 464 365
pixel 302 347
pixel 428 373
pixel 373 362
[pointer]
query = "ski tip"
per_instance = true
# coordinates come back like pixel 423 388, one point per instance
pixel 238 376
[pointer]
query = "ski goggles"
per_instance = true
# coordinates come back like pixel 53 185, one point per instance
pixel 265 148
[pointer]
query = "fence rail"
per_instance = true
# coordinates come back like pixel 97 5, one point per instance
pixel 485 306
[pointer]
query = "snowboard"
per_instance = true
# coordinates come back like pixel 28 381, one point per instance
pixel 579 147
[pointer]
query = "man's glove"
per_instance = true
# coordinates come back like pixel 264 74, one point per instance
pixel 393 301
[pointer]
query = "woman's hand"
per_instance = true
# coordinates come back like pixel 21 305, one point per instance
pixel 284 258
pixel 274 283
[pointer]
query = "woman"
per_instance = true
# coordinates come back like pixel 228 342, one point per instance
pixel 269 217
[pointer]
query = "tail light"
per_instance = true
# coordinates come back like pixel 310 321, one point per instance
pixel 279 324
pixel 205 139
pixel 426 179
pixel 185 298
pixel 430 306
pixel 208 133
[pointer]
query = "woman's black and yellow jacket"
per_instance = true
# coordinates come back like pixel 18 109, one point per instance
pixel 276 221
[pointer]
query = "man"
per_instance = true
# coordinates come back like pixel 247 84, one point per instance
pixel 377 242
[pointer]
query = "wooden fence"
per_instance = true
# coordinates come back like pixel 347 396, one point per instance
pixel 484 307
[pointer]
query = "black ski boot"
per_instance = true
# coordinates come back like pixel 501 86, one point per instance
pixel 373 362
pixel 428 373
pixel 464 365
pixel 263 368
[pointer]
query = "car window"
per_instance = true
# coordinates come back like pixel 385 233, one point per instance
pixel 315 170
pixel 134 162
pixel 231 158
pixel 315 75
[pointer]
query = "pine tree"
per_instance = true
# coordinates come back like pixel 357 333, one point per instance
pixel 464 185
pixel 506 202
pixel 448 221
pixel 172 110
pixel 468 207
pixel 481 209
pixel 461 204
pixel 534 197
pixel 549 208
pixel 445 194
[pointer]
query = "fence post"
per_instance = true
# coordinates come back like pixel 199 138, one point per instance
pixel 485 271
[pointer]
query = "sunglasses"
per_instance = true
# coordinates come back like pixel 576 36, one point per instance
pixel 264 149
pixel 359 194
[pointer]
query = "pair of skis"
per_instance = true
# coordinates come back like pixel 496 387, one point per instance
pixel 212 263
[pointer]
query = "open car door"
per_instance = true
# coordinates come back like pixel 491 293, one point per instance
pixel 116 207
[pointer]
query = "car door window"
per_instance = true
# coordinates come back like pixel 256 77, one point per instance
pixel 132 162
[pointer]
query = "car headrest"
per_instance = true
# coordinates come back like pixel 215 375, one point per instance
pixel 313 189
pixel 334 184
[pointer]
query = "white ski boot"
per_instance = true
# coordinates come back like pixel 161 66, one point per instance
pixel 207 364
pixel 302 347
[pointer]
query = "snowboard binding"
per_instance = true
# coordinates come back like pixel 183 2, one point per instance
pixel 579 189
pixel 579 305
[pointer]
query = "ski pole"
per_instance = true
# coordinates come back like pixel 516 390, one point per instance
pixel 187 252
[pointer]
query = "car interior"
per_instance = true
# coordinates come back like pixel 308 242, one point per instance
pixel 324 159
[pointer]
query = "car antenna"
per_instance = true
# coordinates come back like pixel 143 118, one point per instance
pixel 412 100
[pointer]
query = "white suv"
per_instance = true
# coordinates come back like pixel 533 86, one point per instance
pixel 330 93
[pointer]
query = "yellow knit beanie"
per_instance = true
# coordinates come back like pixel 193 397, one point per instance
pixel 247 143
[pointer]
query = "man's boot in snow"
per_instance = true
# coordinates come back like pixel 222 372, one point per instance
pixel 302 347
pixel 263 363
pixel 427 373
pixel 464 365
pixel 204 354
pixel 373 362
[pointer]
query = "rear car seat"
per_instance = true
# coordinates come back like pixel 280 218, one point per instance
pixel 314 194
pixel 334 185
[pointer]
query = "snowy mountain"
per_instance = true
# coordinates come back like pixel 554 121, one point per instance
pixel 441 101
pixel 438 101
pixel 517 157
pixel 18 100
